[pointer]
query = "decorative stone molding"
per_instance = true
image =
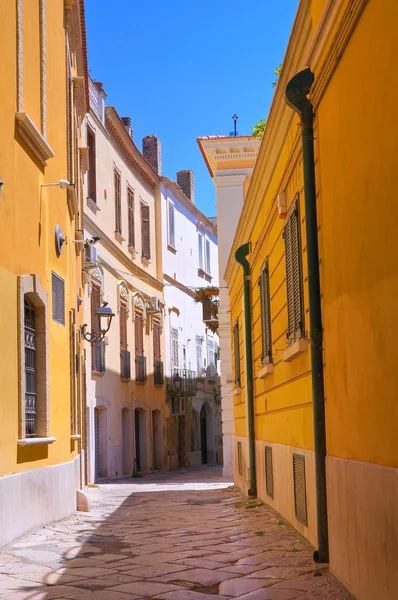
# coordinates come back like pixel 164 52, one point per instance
pixel 139 304
pixel 33 138
pixel 43 67
pixel 123 295
pixel 29 286
pixel 19 57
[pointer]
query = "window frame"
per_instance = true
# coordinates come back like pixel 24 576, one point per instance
pixel 294 274
pixel 145 252
pixel 207 256
pixel 92 170
pixel 200 250
pixel 131 216
pixel 171 237
pixel 118 199
pixel 265 314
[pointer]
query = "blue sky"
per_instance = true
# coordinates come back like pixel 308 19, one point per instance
pixel 181 68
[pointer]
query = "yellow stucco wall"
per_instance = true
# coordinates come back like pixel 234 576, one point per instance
pixel 20 251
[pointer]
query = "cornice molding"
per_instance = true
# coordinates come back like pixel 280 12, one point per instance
pixel 33 138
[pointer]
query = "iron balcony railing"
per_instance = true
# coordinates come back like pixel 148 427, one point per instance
pixel 158 371
pixel 96 100
pixel 99 357
pixel 182 382
pixel 140 368
pixel 125 364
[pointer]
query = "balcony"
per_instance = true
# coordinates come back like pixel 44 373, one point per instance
pixel 98 357
pixel 140 369
pixel 182 382
pixel 210 314
pixel 125 364
pixel 97 97
pixel 158 372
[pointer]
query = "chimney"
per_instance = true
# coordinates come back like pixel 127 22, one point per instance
pixel 152 151
pixel 185 181
pixel 127 123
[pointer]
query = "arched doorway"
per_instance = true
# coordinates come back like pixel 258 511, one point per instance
pixel 156 439
pixel 203 434
pixel 126 441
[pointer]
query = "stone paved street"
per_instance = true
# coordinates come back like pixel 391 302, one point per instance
pixel 169 536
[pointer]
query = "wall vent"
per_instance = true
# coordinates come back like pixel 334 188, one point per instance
pixel 300 490
pixel 269 474
pixel 58 299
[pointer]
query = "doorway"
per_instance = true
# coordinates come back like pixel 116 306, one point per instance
pixel 100 442
pixel 140 439
pixel 203 434
pixel 156 439
pixel 126 441
pixel 137 440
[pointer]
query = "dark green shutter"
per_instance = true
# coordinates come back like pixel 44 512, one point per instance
pixel 265 313
pixel 294 286
pixel 237 354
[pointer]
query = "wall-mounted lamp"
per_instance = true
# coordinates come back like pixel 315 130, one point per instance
pixel 104 312
pixel 62 183
pixel 88 242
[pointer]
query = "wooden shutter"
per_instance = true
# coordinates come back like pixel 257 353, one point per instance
pixel 130 196
pixel 300 488
pixel 123 326
pixel 237 354
pixel 92 179
pixel 269 474
pixel 95 304
pixel 146 245
pixel 118 207
pixel 265 314
pixel 171 226
pixel 294 287
pixel 156 341
pixel 58 299
pixel 139 335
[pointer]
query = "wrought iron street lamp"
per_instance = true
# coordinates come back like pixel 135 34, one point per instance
pixel 104 312
pixel 235 118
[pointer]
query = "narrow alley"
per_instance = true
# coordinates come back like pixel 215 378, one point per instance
pixel 184 535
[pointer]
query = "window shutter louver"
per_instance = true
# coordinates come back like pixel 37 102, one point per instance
pixel 265 312
pixel 118 208
pixel 130 196
pixel 139 335
pixel 156 342
pixel 171 226
pixel 269 474
pixel 123 326
pixel 294 276
pixel 237 354
pixel 58 299
pixel 300 489
pixel 146 253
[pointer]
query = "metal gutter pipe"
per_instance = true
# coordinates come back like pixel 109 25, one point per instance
pixel 240 257
pixel 296 93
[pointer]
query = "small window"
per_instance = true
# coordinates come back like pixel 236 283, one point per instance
pixel 240 458
pixel 145 232
pixel 118 205
pixel 294 285
pixel 265 314
pixel 200 250
pixel 207 246
pixel 171 225
pixel 91 175
pixel 58 298
pixel 300 488
pixel 236 353
pixel 269 474
pixel 130 199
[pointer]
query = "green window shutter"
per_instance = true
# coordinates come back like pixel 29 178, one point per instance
pixel 237 353
pixel 294 286
pixel 265 314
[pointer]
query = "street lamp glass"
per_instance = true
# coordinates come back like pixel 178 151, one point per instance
pixel 177 380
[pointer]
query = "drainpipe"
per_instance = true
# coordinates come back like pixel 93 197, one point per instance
pixel 240 257
pixel 296 94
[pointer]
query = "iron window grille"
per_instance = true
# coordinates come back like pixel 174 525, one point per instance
pixel 265 314
pixel 58 299
pixel 294 284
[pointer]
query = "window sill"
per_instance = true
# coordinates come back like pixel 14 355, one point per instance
pixel 145 261
pixel 35 441
pixel 118 237
pixel 265 370
pixel 92 205
pixel 76 436
pixel 236 391
pixel 295 349
pixel 140 382
pixel 171 248
pixel 97 373
pixel 125 379
pixel 204 275
pixel 132 251
pixel 33 138
pixel 158 385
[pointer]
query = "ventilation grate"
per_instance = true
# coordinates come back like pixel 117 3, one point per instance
pixel 58 296
pixel 300 491
pixel 240 458
pixel 269 474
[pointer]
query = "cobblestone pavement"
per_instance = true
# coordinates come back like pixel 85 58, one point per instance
pixel 169 536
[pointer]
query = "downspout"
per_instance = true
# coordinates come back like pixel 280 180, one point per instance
pixel 240 257
pixel 296 94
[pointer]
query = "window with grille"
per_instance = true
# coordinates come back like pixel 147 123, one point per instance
pixel 118 202
pixel 240 458
pixel 91 175
pixel 294 286
pixel 174 346
pixel 236 353
pixel 300 488
pixel 207 246
pixel 130 205
pixel 265 314
pixel 269 474
pixel 200 250
pixel 58 299
pixel 30 370
pixel 171 225
pixel 145 232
